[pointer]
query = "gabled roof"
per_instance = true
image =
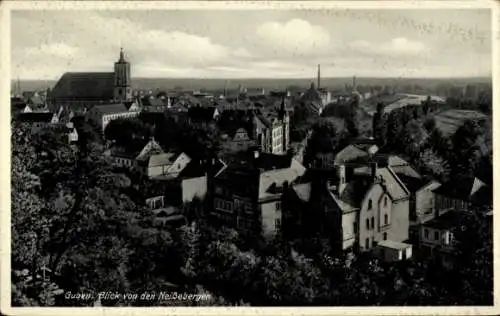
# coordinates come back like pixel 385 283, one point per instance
pixel 463 188
pixel 394 186
pixel 349 153
pixel 303 191
pixel 151 148
pixel 85 85
pixel 279 176
pixel 413 184
pixel 162 159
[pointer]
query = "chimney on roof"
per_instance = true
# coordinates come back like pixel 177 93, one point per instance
pixel 341 178
pixel 373 170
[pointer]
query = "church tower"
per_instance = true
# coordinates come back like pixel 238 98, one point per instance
pixel 122 90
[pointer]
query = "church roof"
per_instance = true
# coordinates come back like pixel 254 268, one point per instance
pixel 85 86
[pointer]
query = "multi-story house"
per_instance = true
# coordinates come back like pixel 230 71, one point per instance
pixel 272 132
pixel 358 209
pixel 135 158
pixel 248 195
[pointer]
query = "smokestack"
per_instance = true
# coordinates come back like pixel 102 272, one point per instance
pixel 319 76
pixel 354 83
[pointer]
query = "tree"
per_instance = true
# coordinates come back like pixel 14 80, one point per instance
pixel 466 151
pixel 379 125
pixel 394 130
pixel 413 137
pixel 431 163
pixel 68 211
pixel 474 244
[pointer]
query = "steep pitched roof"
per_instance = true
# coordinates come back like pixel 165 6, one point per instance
pixel 85 85
pixel 394 186
pixel 464 188
pixel 303 191
pixel 349 153
pixel 279 176
pixel 162 159
pixel 413 184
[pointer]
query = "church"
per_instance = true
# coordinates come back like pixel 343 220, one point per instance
pixel 79 91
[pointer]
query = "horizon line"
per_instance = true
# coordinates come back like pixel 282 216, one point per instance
pixel 283 78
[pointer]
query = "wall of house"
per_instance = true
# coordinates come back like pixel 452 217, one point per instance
pixel 349 232
pixel 194 187
pixel 400 223
pixel 384 209
pixel 444 237
pixel 271 218
pixel 444 204
pixel 367 232
pixel 158 170
pixel 424 203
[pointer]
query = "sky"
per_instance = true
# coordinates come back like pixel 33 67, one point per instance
pixel 254 43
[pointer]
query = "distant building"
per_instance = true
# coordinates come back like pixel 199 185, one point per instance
pixel 248 196
pixel 79 90
pixel 272 132
pixel 135 158
pixel 102 115
pixel 462 195
pixel 38 120
pixel 167 165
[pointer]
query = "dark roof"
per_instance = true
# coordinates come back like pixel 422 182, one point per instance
pixel 355 191
pixel 448 220
pixel 35 117
pixel 413 184
pixel 463 188
pixel 201 114
pixel 311 94
pixel 85 85
pixel 146 101
pixel 111 108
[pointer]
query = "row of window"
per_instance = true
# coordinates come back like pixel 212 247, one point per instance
pixel 435 236
pixel 223 205
pixel 450 203
pixel 370 223
pixel 370 203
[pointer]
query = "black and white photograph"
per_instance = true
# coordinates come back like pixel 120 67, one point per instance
pixel 258 156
